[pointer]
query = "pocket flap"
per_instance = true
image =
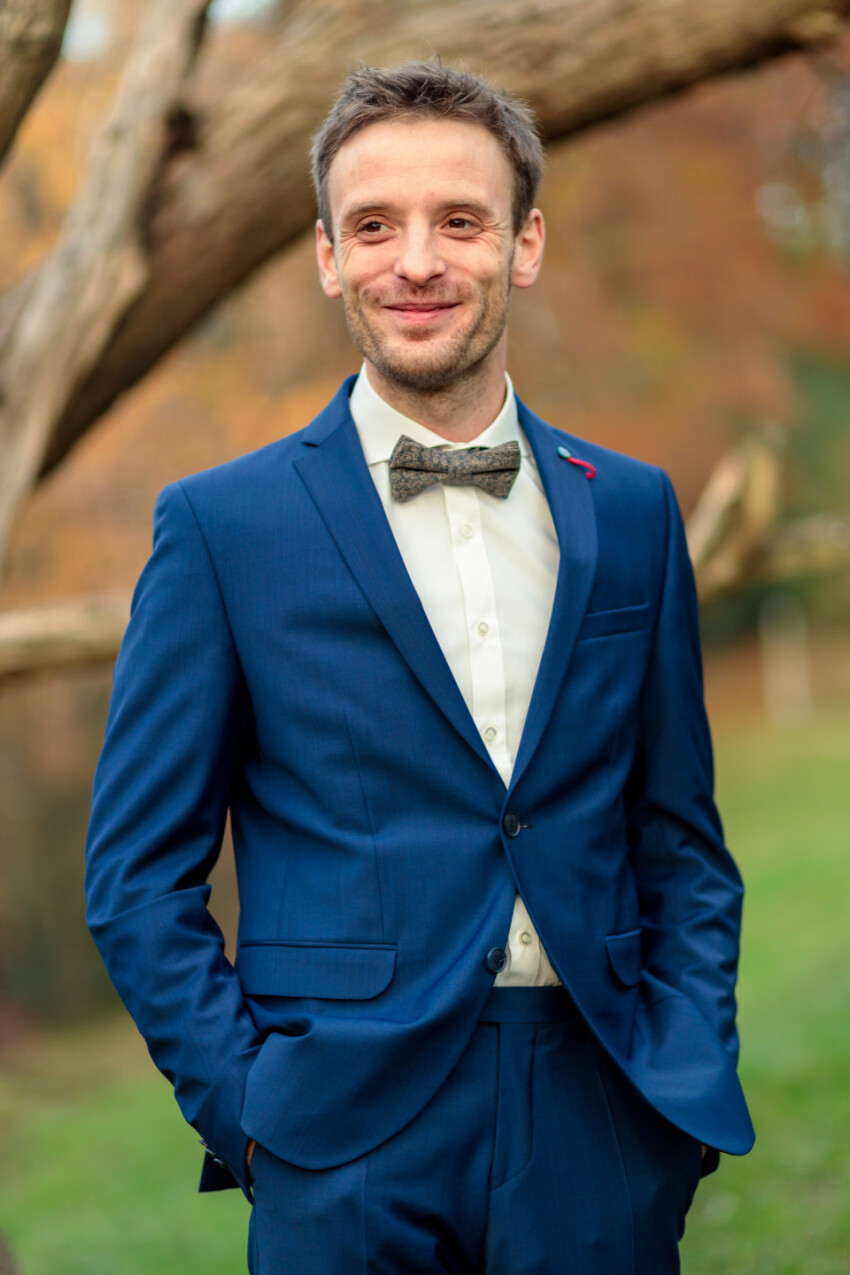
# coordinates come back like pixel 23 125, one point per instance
pixel 624 955
pixel 336 971
pixel 605 623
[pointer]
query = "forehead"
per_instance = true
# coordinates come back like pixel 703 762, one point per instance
pixel 420 159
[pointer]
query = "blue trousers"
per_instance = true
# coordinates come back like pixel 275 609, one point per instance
pixel 536 1157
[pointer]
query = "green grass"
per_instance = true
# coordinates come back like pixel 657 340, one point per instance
pixel 98 1175
pixel 98 1171
pixel 785 1209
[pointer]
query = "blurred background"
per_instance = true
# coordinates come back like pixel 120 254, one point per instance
pixel 695 303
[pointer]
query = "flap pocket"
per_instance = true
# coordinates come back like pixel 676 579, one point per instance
pixel 623 620
pixel 624 955
pixel 336 971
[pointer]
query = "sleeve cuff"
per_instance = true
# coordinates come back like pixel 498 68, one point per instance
pixel 218 1124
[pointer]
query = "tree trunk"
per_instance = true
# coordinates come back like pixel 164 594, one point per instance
pixel 196 189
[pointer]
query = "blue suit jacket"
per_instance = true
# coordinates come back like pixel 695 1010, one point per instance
pixel 278 663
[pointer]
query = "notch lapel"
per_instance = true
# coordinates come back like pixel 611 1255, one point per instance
pixel 570 498
pixel 337 477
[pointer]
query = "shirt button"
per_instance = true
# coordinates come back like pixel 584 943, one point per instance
pixel 511 824
pixel 497 959
pixel 490 733
pixel 466 531
pixel 484 628
pixel 525 938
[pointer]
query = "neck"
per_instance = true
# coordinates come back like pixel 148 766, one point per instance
pixel 459 411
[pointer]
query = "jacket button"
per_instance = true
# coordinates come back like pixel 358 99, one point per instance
pixel 497 959
pixel 511 824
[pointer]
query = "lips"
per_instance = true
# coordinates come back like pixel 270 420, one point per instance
pixel 420 311
pixel 425 306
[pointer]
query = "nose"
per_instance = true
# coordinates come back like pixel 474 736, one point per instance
pixel 418 258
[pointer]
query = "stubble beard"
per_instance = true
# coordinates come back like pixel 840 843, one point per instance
pixel 410 363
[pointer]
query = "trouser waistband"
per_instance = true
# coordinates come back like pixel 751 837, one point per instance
pixel 529 1005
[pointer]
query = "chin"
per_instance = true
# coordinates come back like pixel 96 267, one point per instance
pixel 427 364
pixel 431 370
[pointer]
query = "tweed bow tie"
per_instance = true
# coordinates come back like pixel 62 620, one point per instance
pixel 414 467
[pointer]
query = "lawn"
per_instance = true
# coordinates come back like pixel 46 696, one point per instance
pixel 785 1209
pixel 98 1170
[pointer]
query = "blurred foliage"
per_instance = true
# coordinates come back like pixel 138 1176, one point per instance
pixel 51 732
pixel 50 736
pixel 819 448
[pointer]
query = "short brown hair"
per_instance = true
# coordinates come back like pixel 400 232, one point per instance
pixel 428 89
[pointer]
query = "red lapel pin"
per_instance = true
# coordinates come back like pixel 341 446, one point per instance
pixel 566 454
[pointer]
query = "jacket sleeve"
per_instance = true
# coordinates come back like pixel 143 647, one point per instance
pixel 159 806
pixel 689 888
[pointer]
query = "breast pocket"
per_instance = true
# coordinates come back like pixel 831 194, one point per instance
pixel 599 624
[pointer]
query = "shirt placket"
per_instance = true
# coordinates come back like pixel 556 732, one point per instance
pixel 524 948
pixel 487 670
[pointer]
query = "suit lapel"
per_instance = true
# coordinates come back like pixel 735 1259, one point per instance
pixel 568 492
pixel 337 477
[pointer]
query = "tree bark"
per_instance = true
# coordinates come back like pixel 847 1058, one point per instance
pixel 30 39
pixel 67 315
pixel 219 181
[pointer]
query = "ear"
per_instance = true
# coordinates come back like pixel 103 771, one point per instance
pixel 528 250
pixel 327 263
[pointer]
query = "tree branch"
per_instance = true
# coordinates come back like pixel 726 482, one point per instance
pixel 98 268
pixel 86 631
pixel 30 39
pixel 230 188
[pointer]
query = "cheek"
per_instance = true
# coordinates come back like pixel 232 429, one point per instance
pixel 362 281
pixel 491 274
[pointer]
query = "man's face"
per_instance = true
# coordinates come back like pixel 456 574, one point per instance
pixel 424 254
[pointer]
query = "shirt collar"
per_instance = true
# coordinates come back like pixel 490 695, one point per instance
pixel 380 426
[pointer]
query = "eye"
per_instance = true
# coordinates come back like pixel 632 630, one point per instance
pixel 372 227
pixel 461 224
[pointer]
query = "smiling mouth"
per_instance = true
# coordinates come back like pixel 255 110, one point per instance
pixel 419 311
pixel 421 305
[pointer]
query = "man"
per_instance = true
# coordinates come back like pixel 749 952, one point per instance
pixel 482 1012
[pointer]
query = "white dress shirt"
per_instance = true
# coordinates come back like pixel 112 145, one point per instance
pixel 485 571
